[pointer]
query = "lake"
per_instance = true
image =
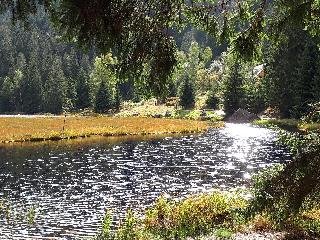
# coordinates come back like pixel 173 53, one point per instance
pixel 72 183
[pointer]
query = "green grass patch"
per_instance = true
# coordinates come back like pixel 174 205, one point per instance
pixel 223 233
pixel 197 115
pixel 309 126
pixel 288 124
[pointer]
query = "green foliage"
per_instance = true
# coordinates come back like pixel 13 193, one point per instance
pixel 212 100
pixel 287 124
pixel 192 217
pixel 31 215
pixel 10 92
pixel 254 91
pixel 314 115
pixel 26 68
pixel 103 70
pixel 291 74
pixel 139 37
pixel 193 63
pixel 103 101
pixel 305 77
pixel 12 216
pixel 187 93
pixel 261 197
pixel 31 87
pixel 223 233
pixel 284 192
pixel 232 87
pixel 55 89
pixel 127 231
pixel 83 90
pixel 106 233
pixel 117 100
pixel 197 115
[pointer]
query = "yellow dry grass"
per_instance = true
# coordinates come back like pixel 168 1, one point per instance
pixel 55 128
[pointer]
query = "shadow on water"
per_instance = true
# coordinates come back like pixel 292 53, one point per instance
pixel 73 183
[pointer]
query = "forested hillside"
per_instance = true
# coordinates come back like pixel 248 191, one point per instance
pixel 38 73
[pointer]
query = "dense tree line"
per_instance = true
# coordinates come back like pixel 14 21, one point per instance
pixel 41 73
pixel 289 85
pixel 38 73
pixel 293 75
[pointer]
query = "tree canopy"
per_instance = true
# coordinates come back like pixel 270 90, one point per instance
pixel 139 32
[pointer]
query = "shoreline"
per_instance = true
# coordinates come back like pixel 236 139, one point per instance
pixel 39 129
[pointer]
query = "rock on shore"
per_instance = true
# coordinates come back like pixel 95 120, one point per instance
pixel 242 116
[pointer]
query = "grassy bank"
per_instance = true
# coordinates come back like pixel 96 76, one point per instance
pixel 192 217
pixel 218 215
pixel 56 128
pixel 289 124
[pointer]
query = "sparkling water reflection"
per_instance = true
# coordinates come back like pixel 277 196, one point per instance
pixel 73 186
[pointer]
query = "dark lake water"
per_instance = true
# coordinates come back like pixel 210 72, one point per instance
pixel 71 184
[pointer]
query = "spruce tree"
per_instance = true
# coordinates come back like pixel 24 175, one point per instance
pixel 103 101
pixel 233 92
pixel 187 93
pixel 55 92
pixel 8 93
pixel 71 71
pixel 83 90
pixel 31 87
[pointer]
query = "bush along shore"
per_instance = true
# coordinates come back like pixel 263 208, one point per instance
pixel 58 128
pixel 211 216
pixel 289 124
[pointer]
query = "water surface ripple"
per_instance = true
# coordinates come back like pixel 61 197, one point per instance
pixel 72 187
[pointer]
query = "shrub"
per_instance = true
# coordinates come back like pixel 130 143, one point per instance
pixel 194 216
pixel 284 192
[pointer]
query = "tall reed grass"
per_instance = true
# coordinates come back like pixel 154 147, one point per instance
pixel 56 128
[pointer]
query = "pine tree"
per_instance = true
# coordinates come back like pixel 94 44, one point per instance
pixel 19 45
pixel 233 92
pixel 187 93
pixel 103 101
pixel 7 51
pixel 55 93
pixel 31 87
pixel 18 78
pixel 8 92
pixel 71 72
pixel 83 90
